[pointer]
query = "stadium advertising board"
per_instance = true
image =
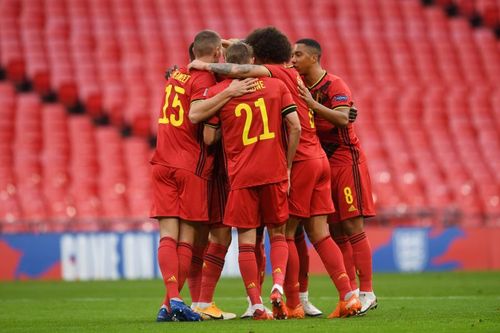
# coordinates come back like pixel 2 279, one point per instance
pixel 132 255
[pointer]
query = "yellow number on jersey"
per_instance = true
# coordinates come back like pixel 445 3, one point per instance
pixel 348 195
pixel 266 134
pixel 265 122
pixel 311 118
pixel 176 104
pixel 248 122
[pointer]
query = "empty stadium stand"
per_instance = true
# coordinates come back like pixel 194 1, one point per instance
pixel 83 83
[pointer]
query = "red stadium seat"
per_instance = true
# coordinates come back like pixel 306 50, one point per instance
pixel 430 142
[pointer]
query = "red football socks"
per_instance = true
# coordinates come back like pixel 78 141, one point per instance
pixel 291 286
pixel 346 249
pixel 362 254
pixel 169 266
pixel 185 253
pixel 194 276
pixel 214 263
pixel 279 258
pixel 331 257
pixel 249 272
pixel 303 251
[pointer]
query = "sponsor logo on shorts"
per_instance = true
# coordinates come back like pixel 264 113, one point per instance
pixel 352 208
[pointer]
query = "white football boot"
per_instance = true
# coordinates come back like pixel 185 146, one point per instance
pixel 249 311
pixel 309 309
pixel 368 302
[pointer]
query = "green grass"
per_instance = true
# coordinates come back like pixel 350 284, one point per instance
pixel 430 302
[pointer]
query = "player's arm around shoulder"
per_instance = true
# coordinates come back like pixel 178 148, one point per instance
pixel 231 70
pixel 205 109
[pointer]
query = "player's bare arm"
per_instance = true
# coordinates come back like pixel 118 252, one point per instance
pixel 231 70
pixel 292 122
pixel 293 129
pixel 211 134
pixel 206 109
pixel 338 116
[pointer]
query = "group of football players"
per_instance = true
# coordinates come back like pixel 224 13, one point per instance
pixel 262 141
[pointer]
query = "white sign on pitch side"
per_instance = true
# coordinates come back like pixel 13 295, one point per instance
pixel 410 249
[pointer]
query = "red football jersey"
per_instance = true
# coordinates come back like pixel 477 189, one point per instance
pixel 340 144
pixel 309 145
pixel 179 142
pixel 252 132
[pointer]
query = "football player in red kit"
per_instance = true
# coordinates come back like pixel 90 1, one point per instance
pixel 310 194
pixel 258 166
pixel 330 99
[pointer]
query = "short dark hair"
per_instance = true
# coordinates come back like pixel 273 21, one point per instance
pixel 270 45
pixel 312 44
pixel 239 53
pixel 205 43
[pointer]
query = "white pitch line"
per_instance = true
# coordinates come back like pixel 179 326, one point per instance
pixel 383 298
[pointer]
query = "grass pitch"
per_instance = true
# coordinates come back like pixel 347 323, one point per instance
pixel 430 302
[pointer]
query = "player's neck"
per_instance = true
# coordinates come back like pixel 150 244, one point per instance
pixel 208 58
pixel 314 75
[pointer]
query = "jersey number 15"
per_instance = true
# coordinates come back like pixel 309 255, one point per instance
pixel 176 105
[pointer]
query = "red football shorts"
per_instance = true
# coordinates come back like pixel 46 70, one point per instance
pixel 310 192
pixel 218 189
pixel 179 193
pixel 250 207
pixel 351 192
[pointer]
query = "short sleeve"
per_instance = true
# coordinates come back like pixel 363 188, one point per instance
pixel 339 94
pixel 213 122
pixel 287 103
pixel 201 83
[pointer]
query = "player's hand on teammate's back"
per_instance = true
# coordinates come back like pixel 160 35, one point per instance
pixel 170 70
pixel 353 114
pixel 199 65
pixel 305 94
pixel 242 87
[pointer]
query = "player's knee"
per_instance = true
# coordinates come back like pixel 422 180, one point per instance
pixel 353 226
pixel 316 231
pixel 291 227
pixel 275 231
pixel 221 236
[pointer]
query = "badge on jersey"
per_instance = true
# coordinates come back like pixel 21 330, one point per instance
pixel 340 98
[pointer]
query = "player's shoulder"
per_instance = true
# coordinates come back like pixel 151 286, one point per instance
pixel 281 69
pixel 273 83
pixel 334 79
pixel 219 86
pixel 184 76
pixel 200 74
